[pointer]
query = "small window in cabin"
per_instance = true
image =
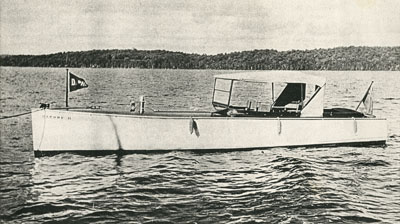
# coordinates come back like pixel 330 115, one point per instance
pixel 222 91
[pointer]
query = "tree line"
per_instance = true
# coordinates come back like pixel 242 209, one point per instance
pixel 340 58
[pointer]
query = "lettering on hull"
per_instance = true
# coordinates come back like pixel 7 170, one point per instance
pixel 56 117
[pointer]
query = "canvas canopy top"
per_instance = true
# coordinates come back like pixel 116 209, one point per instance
pixel 276 76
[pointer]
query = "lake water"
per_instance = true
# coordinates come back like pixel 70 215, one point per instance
pixel 280 185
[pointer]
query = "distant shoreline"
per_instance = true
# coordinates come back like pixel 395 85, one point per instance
pixel 333 59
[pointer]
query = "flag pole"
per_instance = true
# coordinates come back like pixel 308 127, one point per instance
pixel 365 95
pixel 66 89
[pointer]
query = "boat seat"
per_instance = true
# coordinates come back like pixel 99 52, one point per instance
pixel 292 106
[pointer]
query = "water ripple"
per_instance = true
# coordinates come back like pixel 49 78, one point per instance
pixel 279 185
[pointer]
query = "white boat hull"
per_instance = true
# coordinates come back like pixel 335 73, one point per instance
pixel 68 130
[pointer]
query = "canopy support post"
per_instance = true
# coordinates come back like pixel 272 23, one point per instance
pixel 66 89
pixel 273 97
pixel 230 93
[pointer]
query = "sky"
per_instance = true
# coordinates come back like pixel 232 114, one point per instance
pixel 198 26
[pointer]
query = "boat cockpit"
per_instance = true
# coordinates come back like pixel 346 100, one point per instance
pixel 299 95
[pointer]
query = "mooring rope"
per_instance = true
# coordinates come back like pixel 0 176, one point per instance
pixel 33 111
pixel 19 115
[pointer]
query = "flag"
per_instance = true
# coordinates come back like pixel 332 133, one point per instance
pixel 368 104
pixel 76 83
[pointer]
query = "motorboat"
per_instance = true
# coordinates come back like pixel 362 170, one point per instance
pixel 288 112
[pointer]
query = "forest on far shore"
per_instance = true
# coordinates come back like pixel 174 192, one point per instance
pixel 340 58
